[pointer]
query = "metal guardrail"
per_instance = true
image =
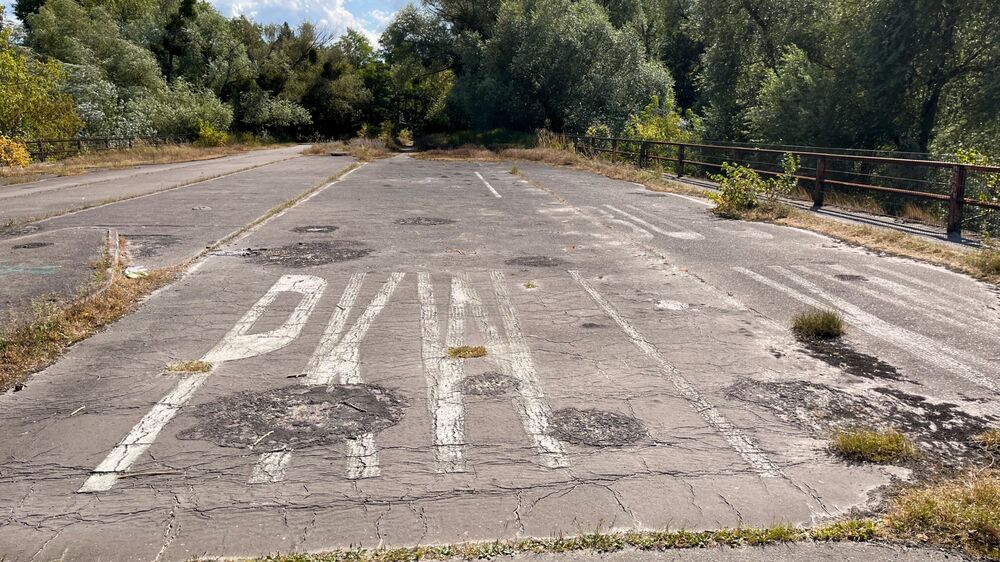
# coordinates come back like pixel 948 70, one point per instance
pixel 43 149
pixel 934 180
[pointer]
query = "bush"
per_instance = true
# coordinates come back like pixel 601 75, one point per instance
pixel 386 133
pixel 405 137
pixel 209 136
pixel 13 153
pixel 741 189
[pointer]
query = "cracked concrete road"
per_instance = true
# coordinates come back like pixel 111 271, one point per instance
pixel 638 375
pixel 170 214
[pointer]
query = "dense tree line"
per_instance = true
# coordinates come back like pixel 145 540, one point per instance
pixel 916 75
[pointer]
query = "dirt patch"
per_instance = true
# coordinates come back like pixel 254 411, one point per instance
pixel 942 429
pixel 839 354
pixel 296 416
pixel 32 245
pixel 424 221
pixel 316 229
pixel 148 245
pixel 309 254
pixel 490 383
pixel 535 261
pixel 596 428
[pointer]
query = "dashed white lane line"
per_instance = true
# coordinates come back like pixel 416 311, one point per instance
pixel 918 345
pixel 743 444
pixel 934 288
pixel 683 235
pixel 679 231
pixel 237 344
pixel 488 186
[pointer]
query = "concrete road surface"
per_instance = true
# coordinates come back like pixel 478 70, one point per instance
pixel 638 373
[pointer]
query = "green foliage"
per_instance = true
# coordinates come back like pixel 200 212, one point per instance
pixel 661 121
pixel 13 153
pixel 818 325
pixel 210 136
pixel 741 189
pixel 871 445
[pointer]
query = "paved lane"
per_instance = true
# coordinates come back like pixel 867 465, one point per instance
pixel 619 389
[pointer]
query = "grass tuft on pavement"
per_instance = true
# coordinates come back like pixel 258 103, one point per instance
pixel 189 367
pixel 875 446
pixel 818 325
pixel 364 150
pixel 467 352
pixel 989 440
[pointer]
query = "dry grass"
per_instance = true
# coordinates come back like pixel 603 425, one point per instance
pixel 818 325
pixel 530 285
pixel 467 352
pixel 989 440
pixel 189 367
pixel 37 343
pixel 364 150
pixel 113 159
pixel 963 512
pixel 871 445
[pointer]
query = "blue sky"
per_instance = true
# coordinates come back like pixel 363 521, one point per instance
pixel 368 16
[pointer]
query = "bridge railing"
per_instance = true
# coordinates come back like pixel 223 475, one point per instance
pixel 45 149
pixel 952 185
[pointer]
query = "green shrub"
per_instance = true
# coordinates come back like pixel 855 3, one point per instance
pixel 818 325
pixel 870 445
pixel 209 136
pixel 741 189
pixel 13 153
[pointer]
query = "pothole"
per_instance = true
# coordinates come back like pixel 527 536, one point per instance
pixel 296 416
pixel 424 221
pixel 841 355
pixel 316 229
pixel 490 383
pixel 595 428
pixel 32 245
pixel 535 261
pixel 147 245
pixel 308 254
pixel 847 277
pixel 942 429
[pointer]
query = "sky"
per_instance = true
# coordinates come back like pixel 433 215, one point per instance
pixel 335 16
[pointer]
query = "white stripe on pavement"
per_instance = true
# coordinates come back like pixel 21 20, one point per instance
pixel 493 191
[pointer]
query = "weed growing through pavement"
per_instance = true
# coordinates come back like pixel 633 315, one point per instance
pixel 875 446
pixel 818 325
pixel 190 367
pixel 989 440
pixel 514 171
pixel 530 285
pixel 467 351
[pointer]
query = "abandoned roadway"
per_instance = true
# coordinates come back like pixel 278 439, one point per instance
pixel 638 373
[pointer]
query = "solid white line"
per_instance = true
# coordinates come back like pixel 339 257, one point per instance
pixel 691 199
pixel 444 397
pixel 233 345
pixel 270 468
pixel 516 361
pixel 918 345
pixel 744 445
pixel 493 191
pixel 654 228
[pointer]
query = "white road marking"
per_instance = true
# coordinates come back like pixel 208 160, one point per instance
pixel 270 468
pixel 744 445
pixel 935 288
pixel 679 231
pixel 746 233
pixel 691 199
pixel 237 344
pixel 444 375
pixel 918 345
pixel 515 361
pixel 683 235
pixel 490 187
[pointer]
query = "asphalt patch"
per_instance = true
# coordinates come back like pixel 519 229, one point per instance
pixel 592 325
pixel 595 428
pixel 32 245
pixel 535 261
pixel 490 383
pixel 942 429
pixel 847 277
pixel 840 354
pixel 316 229
pixel 424 221
pixel 308 254
pixel 296 416
pixel 19 230
pixel 148 245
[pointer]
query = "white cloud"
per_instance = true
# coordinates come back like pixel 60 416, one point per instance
pixel 328 15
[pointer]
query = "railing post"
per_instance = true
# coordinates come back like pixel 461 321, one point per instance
pixel 819 189
pixel 680 161
pixel 614 151
pixel 41 151
pixel 957 204
pixel 643 151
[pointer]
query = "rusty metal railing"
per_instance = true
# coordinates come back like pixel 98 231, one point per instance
pixel 946 183
pixel 44 149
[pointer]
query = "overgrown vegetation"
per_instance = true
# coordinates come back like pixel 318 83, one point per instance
pixel 189 367
pixel 989 440
pixel 743 194
pixel 362 149
pixel 872 445
pixel 818 325
pixel 962 512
